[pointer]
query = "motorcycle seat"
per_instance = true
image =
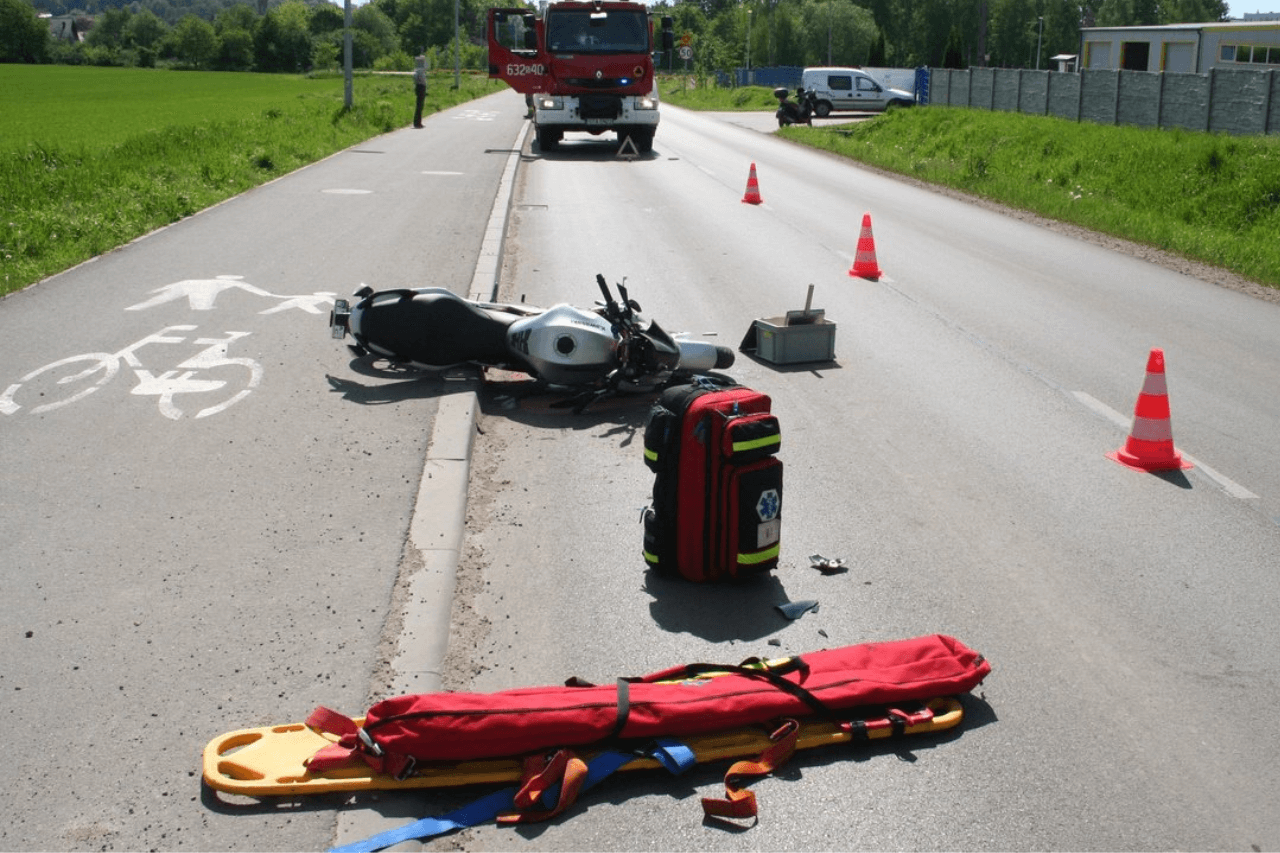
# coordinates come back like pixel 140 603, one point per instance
pixel 436 327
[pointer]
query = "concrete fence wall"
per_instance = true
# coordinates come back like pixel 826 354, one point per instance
pixel 1222 100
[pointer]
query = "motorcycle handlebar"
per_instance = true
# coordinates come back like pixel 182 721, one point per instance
pixel 615 312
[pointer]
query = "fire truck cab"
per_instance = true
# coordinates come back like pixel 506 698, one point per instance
pixel 585 67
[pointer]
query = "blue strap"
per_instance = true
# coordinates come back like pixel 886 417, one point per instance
pixel 481 811
pixel 671 754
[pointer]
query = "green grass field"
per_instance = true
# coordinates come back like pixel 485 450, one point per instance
pixel 67 107
pixel 91 158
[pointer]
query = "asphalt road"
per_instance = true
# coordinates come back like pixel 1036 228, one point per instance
pixel 954 454
pixel 204 533
pixel 178 564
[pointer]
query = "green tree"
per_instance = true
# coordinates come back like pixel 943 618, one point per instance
pixel 1193 11
pixel 787 31
pixel 326 18
pixel 325 53
pixel 109 29
pixel 235 17
pixel 837 33
pixel 1007 39
pixel 953 56
pixel 1128 13
pixel 145 30
pixel 1062 22
pixel 877 58
pixel 235 51
pixel 282 41
pixel 23 36
pixel 379 27
pixel 194 42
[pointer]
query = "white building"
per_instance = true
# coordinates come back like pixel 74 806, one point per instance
pixel 1185 48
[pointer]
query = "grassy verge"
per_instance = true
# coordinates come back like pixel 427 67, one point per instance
pixel 1207 197
pixel 80 175
pixel 686 92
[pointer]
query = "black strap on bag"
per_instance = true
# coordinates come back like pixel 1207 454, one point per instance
pixel 774 676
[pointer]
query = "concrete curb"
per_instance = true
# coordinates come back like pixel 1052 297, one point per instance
pixel 436 534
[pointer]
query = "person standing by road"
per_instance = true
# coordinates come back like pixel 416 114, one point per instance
pixel 419 87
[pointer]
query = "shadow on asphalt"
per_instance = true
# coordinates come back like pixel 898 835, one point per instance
pixel 718 612
pixel 591 149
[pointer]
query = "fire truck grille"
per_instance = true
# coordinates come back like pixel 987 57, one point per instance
pixel 593 83
pixel 601 106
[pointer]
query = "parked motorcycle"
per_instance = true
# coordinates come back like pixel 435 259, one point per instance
pixel 595 352
pixel 799 111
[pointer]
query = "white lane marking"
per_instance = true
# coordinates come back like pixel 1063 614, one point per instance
pixel 1228 485
pixel 346 192
pixel 442 173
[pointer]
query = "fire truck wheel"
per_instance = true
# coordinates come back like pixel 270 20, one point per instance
pixel 643 138
pixel 549 139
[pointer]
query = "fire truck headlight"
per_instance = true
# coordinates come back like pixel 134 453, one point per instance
pixel 646 103
pixel 550 102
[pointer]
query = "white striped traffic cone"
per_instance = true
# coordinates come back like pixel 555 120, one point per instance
pixel 1150 444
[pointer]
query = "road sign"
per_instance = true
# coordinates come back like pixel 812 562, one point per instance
pixel 686 52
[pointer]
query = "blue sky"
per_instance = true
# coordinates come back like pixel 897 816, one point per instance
pixel 1237 10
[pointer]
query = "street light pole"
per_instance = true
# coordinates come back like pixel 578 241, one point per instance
pixel 1039 41
pixel 830 25
pixel 346 54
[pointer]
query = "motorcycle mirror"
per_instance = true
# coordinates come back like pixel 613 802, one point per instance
pixel 622 292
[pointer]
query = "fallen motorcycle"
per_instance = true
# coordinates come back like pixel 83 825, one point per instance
pixel 800 111
pixel 595 352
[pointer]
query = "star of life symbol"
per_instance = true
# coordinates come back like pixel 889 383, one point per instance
pixel 768 504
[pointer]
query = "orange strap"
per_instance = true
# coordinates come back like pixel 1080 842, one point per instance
pixel 740 802
pixel 562 768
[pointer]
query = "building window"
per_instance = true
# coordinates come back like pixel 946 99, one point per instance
pixel 1253 54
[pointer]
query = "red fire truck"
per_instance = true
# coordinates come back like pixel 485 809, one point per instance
pixel 585 67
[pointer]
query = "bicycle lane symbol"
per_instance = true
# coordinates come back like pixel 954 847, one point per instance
pixel 201 294
pixel 99 368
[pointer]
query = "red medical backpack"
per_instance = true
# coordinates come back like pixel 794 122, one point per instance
pixel 717 494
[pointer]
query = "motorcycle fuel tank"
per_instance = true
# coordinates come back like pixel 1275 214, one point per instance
pixel 565 345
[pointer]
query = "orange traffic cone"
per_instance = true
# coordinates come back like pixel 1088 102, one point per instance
pixel 864 262
pixel 753 189
pixel 1150 444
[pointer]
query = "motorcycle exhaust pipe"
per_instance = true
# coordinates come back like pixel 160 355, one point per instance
pixel 699 355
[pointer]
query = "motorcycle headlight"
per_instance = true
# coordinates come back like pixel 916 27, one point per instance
pixel 550 102
pixel 646 103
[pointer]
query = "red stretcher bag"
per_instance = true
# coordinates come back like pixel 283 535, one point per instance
pixel 685 700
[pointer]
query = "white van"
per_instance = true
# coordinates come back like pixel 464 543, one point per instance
pixel 843 89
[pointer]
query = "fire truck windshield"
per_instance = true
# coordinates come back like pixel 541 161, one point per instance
pixel 583 31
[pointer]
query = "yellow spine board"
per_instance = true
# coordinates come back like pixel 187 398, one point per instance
pixel 271 761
